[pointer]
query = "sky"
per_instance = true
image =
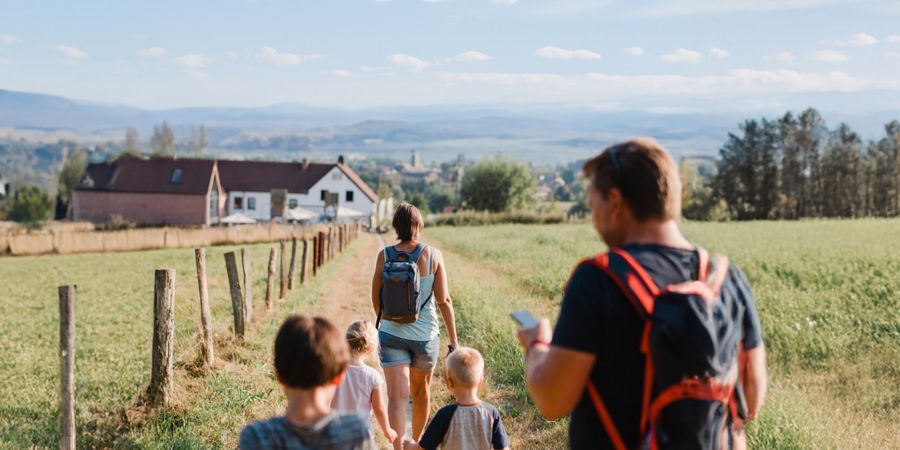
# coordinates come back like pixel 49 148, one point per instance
pixel 604 54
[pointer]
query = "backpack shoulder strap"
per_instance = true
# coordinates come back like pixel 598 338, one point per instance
pixel 390 254
pixel 415 254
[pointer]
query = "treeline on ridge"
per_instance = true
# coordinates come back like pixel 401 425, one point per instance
pixel 795 167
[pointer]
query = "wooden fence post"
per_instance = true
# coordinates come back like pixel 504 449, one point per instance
pixel 282 272
pixel 234 285
pixel 321 254
pixel 206 349
pixel 163 350
pixel 270 280
pixel 67 367
pixel 293 263
pixel 246 266
pixel 315 254
pixel 304 261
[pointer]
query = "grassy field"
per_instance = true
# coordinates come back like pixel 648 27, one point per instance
pixel 828 293
pixel 114 322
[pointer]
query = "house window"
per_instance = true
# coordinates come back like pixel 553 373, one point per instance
pixel 349 196
pixel 322 197
pixel 292 203
pixel 176 176
pixel 251 203
pixel 239 203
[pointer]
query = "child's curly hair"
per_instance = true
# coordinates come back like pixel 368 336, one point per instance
pixel 362 336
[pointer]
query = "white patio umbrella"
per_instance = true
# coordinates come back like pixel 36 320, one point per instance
pixel 299 214
pixel 237 218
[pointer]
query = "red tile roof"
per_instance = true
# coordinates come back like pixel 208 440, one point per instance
pixel 129 174
pixel 263 176
pixel 155 175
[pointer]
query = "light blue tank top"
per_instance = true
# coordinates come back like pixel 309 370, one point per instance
pixel 426 328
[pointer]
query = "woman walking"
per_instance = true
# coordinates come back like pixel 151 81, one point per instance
pixel 410 351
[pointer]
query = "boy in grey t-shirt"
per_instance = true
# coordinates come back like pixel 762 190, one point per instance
pixel 310 358
pixel 469 423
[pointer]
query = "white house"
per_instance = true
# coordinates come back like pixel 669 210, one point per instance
pixel 249 186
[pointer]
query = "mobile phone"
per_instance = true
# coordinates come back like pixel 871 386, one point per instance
pixel 524 318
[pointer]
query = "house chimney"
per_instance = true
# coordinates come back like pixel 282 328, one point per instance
pixel 341 159
pixel 305 163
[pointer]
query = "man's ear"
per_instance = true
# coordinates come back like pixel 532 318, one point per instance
pixel 615 200
pixel 340 377
pixel 480 382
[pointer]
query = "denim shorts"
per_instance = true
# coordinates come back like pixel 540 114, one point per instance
pixel 421 355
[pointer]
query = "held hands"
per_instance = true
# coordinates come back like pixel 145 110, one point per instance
pixel 542 333
pixel 390 435
pixel 409 444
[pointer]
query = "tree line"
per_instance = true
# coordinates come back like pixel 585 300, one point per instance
pixel 795 167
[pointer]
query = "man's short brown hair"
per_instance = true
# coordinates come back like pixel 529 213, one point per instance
pixel 309 352
pixel 644 173
pixel 407 221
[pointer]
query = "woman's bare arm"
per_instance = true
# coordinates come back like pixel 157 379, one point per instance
pixel 442 297
pixel 376 283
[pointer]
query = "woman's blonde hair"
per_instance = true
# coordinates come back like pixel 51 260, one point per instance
pixel 362 336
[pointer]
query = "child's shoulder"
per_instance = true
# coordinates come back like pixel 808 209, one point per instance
pixel 370 372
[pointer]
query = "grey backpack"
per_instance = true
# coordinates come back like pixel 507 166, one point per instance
pixel 399 295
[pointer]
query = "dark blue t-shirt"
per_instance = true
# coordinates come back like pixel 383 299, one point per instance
pixel 597 318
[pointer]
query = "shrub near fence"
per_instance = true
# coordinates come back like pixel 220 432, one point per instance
pixel 471 218
pixel 66 242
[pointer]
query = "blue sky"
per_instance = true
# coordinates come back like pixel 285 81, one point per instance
pixel 605 54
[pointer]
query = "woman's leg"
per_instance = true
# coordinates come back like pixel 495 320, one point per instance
pixel 420 385
pixel 398 380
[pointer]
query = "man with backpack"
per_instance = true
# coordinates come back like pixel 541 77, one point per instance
pixel 658 344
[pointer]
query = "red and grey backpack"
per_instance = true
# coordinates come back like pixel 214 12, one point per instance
pixel 691 342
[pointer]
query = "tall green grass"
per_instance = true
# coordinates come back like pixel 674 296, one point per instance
pixel 114 320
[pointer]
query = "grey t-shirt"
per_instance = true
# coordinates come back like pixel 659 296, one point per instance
pixel 458 427
pixel 332 432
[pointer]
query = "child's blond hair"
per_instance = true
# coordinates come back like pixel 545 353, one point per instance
pixel 465 366
pixel 362 336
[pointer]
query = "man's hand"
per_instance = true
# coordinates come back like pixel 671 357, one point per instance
pixel 542 332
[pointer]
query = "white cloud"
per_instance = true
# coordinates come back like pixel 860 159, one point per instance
pixel 692 7
pixel 738 81
pixel 342 73
pixel 718 53
pixel 782 56
pixel 550 52
pixel 409 62
pixel 634 51
pixel 193 61
pixel 231 54
pixel 154 52
pixel 504 2
pixel 830 56
pixel 5 61
pixel 472 55
pixel 857 40
pixel 893 39
pixel 285 58
pixel 8 39
pixel 682 55
pixel 71 52
pixel 196 74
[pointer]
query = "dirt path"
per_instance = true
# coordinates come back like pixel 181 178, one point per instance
pixel 347 297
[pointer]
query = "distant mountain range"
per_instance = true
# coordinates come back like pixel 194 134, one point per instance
pixel 540 133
